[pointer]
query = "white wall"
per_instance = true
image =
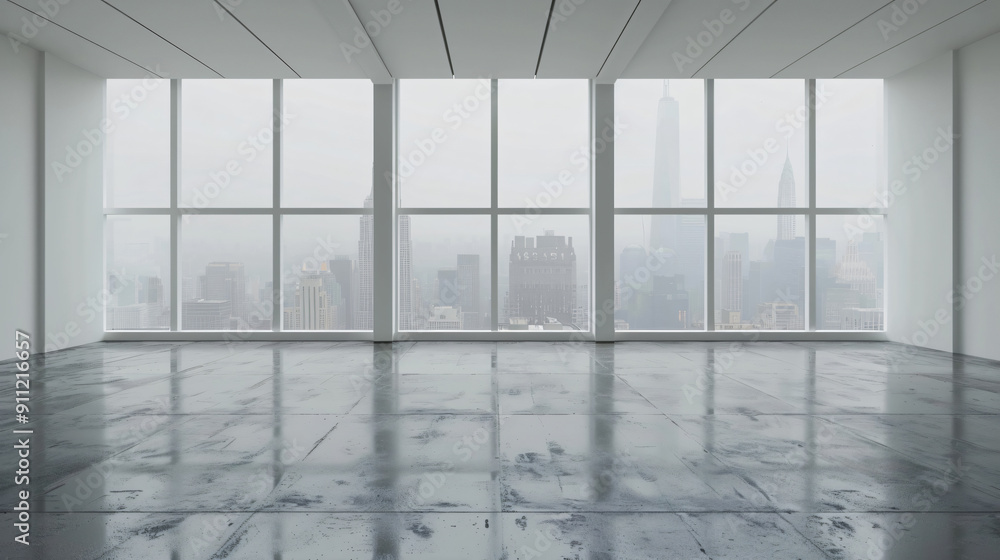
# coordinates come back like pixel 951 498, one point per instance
pixel 978 92
pixel 20 219
pixel 919 120
pixel 73 247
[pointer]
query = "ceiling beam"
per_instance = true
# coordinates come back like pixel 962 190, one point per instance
pixel 644 18
pixel 356 44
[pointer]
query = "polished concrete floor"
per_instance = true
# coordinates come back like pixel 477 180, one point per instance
pixel 509 451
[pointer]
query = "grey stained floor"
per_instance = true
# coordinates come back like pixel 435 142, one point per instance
pixel 509 451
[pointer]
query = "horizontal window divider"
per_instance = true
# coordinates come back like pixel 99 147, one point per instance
pixel 138 211
pixel 224 211
pixel 235 336
pixel 869 211
pixel 325 211
pixel 748 211
pixel 499 211
pixel 752 336
pixel 661 211
pixel 496 336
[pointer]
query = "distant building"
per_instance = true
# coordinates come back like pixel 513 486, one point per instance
pixel 445 318
pixel 469 298
pixel 206 315
pixel 542 279
pixel 364 314
pixel 862 319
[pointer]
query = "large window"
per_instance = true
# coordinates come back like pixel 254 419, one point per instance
pixel 470 206
pixel 471 226
pixel 231 244
pixel 752 239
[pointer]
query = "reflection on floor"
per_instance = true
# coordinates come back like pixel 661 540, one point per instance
pixel 510 450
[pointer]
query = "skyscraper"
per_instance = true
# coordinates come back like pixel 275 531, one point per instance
pixel 732 281
pixel 225 281
pixel 468 291
pixel 542 279
pixel 786 199
pixel 366 243
pixel 405 276
pixel 342 272
pixel 313 304
pixel 666 171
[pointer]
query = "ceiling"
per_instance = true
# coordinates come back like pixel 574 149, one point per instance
pixel 601 39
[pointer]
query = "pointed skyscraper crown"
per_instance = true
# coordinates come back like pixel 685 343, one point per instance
pixel 666 88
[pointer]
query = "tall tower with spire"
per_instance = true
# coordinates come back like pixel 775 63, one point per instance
pixel 666 171
pixel 786 199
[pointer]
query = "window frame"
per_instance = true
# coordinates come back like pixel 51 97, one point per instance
pixel 601 213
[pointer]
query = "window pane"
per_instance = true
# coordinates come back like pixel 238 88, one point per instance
pixel 660 151
pixel 226 273
pixel 444 272
pixel 444 143
pixel 226 139
pixel 321 279
pixel 849 143
pixel 850 269
pixel 659 285
pixel 137 253
pixel 137 154
pixel 543 140
pixel 544 276
pixel 327 150
pixel 760 265
pixel 760 143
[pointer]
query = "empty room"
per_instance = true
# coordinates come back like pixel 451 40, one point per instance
pixel 505 280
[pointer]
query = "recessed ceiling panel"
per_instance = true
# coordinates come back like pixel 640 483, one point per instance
pixel 879 32
pixel 964 29
pixel 16 24
pixel 581 37
pixel 408 37
pixel 689 34
pixel 493 39
pixel 103 24
pixel 784 33
pixel 208 33
pixel 301 35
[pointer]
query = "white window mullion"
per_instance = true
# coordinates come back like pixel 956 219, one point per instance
pixel 277 134
pixel 602 315
pixel 175 216
pixel 710 205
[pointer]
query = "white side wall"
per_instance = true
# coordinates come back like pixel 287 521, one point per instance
pixel 978 92
pixel 73 247
pixel 919 120
pixel 20 180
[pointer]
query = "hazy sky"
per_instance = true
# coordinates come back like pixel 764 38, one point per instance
pixel 849 143
pixel 750 117
pixel 137 154
pixel 636 103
